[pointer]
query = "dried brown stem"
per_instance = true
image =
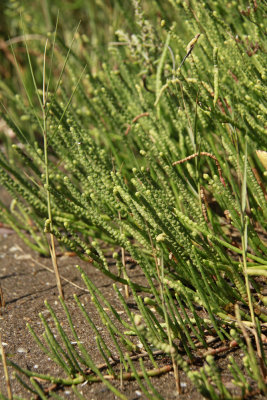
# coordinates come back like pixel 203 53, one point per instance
pixel 55 266
pixel 129 127
pixel 203 153
pixel 61 276
pixel 221 349
pixel 2 300
pixel 129 375
pixel 133 358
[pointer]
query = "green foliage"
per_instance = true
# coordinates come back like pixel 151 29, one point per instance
pixel 115 132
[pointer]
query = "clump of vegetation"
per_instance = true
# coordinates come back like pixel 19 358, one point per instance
pixel 158 148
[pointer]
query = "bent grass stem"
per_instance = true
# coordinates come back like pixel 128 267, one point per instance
pixel 52 240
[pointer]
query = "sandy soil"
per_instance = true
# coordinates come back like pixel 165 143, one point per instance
pixel 26 283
